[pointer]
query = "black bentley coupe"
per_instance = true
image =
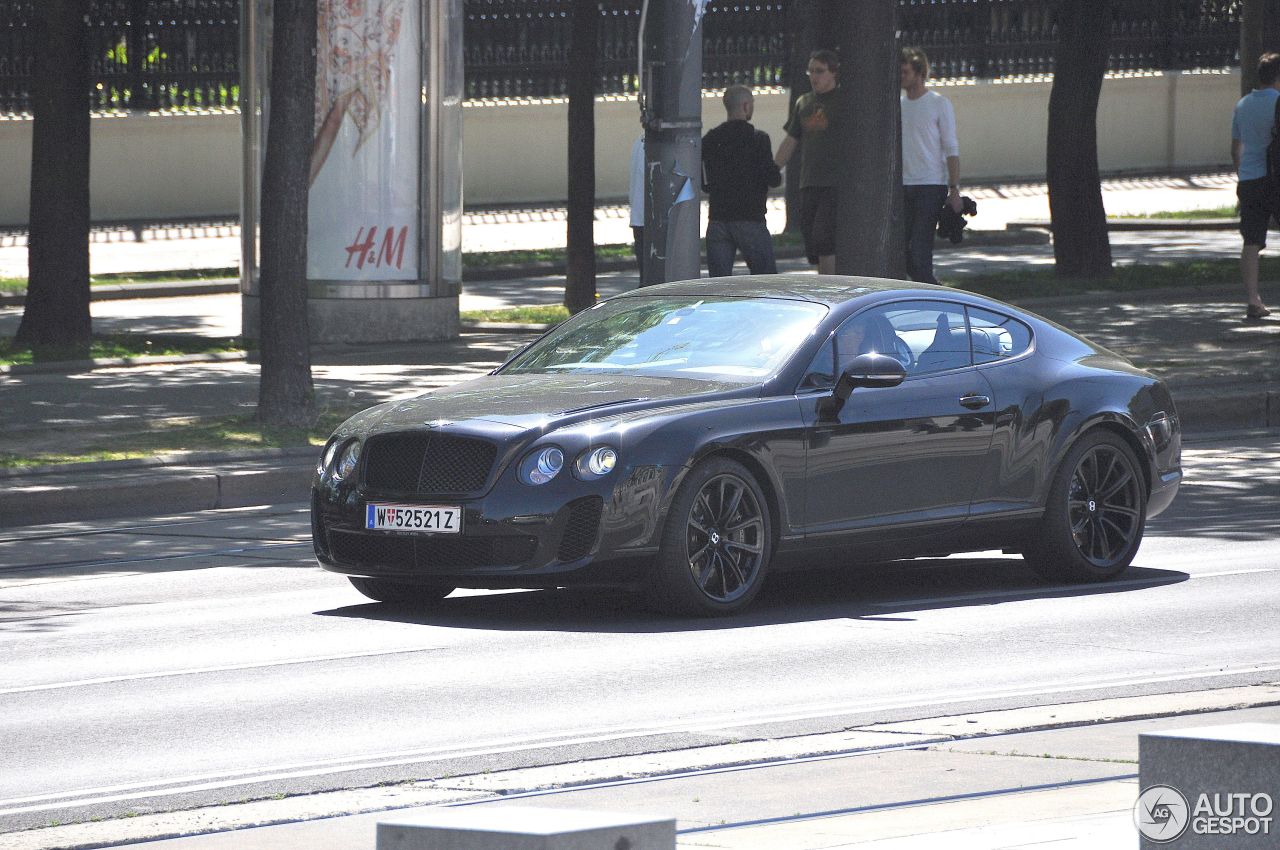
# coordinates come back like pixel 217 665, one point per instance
pixel 688 439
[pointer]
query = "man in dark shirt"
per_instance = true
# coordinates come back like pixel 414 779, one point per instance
pixel 737 171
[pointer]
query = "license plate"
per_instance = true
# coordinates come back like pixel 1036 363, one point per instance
pixel 433 519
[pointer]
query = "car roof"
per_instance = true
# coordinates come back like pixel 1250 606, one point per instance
pixel 831 290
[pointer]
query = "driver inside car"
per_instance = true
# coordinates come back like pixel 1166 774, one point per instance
pixel 869 334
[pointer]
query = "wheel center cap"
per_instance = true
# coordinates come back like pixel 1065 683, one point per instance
pixel 715 537
pixel 1093 506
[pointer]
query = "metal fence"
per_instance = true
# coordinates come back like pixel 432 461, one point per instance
pixel 166 54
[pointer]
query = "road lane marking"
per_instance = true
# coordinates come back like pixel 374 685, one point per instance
pixel 226 779
pixel 193 671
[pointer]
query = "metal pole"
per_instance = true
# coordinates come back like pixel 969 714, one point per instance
pixel 671 111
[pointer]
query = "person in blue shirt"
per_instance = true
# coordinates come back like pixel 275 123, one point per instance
pixel 1251 128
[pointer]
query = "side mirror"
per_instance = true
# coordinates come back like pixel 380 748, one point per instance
pixel 868 370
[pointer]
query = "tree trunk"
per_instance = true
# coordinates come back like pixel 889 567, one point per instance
pixel 1080 244
pixel 869 239
pixel 1252 26
pixel 56 317
pixel 580 285
pixel 286 396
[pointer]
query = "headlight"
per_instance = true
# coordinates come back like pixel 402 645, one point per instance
pixel 326 459
pixel 347 460
pixel 542 465
pixel 596 463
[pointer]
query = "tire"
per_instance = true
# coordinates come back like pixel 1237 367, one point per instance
pixel 385 590
pixel 1095 515
pixel 716 545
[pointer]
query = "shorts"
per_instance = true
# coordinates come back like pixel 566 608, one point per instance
pixel 818 221
pixel 1255 210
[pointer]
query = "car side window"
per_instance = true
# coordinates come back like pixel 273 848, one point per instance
pixel 871 331
pixel 933 333
pixel 996 337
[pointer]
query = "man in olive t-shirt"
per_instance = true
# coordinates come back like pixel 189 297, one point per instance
pixel 813 127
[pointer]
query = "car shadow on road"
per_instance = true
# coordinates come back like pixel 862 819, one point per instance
pixel 885 592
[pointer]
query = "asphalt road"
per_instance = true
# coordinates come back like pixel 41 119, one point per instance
pixel 158 664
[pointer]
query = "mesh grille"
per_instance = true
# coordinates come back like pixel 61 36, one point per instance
pixel 427 462
pixel 430 553
pixel 380 550
pixel 581 528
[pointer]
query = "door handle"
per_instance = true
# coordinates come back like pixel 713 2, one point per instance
pixel 973 402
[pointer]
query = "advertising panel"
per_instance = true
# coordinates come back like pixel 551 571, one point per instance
pixel 365 159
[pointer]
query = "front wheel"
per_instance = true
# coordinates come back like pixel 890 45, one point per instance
pixel 717 542
pixel 1095 515
pixel 385 590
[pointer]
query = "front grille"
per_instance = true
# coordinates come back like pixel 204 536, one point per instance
pixel 581 528
pixel 427 462
pixel 433 554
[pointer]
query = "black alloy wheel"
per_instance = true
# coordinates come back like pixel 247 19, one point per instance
pixel 1103 503
pixel 386 590
pixel 717 542
pixel 1096 512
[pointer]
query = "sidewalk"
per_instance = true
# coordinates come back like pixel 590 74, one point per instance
pixel 216 244
pixel 1224 373
pixel 1016 778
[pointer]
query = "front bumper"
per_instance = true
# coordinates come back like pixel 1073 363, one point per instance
pixel 564 532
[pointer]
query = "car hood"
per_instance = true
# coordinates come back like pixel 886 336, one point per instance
pixel 528 401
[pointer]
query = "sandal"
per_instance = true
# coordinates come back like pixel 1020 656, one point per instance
pixel 1256 312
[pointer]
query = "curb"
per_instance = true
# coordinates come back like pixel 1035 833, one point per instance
pixel 92 494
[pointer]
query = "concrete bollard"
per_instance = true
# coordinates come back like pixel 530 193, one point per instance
pixel 1209 787
pixel 526 828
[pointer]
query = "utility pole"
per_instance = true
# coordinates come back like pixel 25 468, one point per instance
pixel 671 112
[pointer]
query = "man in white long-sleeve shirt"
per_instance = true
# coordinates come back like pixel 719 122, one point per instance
pixel 930 162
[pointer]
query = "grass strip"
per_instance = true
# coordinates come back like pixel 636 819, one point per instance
pixel 121 345
pixel 542 314
pixel 221 434
pixel 1211 212
pixel 1129 278
pixel 19 284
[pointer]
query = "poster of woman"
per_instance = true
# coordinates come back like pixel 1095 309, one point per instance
pixel 365 158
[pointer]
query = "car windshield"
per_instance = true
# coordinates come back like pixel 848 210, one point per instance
pixel 728 338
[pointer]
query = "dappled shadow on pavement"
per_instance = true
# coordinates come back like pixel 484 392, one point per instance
pixel 1198 341
pixel 881 592
pixel 1228 494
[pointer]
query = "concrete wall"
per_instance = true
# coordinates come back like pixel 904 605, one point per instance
pixel 154 166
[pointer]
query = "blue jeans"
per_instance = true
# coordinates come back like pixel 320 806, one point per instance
pixel 922 206
pixel 726 238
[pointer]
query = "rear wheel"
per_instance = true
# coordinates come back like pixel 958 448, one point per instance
pixel 1095 515
pixel 385 590
pixel 716 545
